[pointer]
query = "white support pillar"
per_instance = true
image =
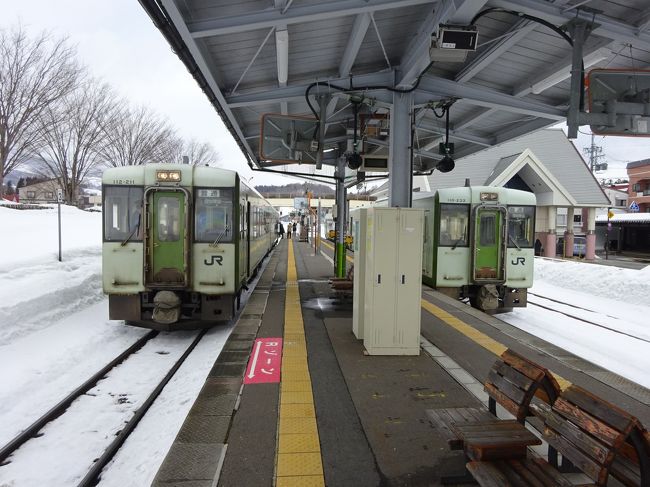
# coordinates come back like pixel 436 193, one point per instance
pixel 591 234
pixel 568 234
pixel 549 246
pixel 399 156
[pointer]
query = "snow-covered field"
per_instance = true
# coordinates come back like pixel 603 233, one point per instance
pixel 54 333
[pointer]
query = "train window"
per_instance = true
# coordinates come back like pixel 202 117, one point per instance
pixel 123 213
pixel 521 226
pixel 213 215
pixel 453 225
pixel 488 229
pixel 168 213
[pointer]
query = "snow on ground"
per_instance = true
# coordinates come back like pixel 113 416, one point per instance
pixel 54 333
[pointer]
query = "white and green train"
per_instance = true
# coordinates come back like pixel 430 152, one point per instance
pixel 180 242
pixel 479 244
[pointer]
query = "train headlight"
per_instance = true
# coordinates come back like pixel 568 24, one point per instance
pixel 489 196
pixel 168 176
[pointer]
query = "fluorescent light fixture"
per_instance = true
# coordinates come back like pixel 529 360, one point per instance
pixel 565 72
pixel 282 54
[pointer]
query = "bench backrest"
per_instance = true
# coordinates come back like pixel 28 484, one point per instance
pixel 514 380
pixel 591 433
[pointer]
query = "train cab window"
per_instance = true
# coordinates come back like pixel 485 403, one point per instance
pixel 488 229
pixel 213 215
pixel 454 225
pixel 169 216
pixel 521 226
pixel 123 213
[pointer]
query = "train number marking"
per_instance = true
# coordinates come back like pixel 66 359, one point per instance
pixel 519 260
pixel 214 258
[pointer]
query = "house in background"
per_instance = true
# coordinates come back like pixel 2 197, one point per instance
pixel 39 193
pixel 639 189
pixel 545 163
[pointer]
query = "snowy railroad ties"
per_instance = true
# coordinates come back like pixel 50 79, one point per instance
pixel 578 318
pixel 98 464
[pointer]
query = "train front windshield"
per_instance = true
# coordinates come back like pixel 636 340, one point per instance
pixel 213 215
pixel 521 226
pixel 454 219
pixel 123 213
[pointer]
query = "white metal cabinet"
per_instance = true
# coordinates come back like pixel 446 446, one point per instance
pixel 393 271
pixel 359 223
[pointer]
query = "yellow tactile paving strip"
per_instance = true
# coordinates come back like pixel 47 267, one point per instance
pixel 469 331
pixel 298 457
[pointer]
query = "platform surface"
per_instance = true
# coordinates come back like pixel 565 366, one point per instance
pixel 340 417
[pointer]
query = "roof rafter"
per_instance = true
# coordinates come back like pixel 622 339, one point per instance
pixel 274 18
pixel 603 26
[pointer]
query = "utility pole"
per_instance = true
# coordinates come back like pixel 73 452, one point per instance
pixel 594 153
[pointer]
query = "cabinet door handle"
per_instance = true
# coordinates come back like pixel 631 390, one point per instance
pixel 378 278
pixel 403 279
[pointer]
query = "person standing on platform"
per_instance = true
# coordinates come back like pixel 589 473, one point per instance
pixel 289 231
pixel 280 230
pixel 295 229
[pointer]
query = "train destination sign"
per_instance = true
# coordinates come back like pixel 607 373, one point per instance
pixel 265 361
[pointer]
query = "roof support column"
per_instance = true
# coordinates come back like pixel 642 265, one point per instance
pixel 549 247
pixel 591 234
pixel 339 252
pixel 399 155
pixel 579 33
pixel 568 233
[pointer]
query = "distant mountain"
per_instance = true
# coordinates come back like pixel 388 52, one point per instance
pixel 297 189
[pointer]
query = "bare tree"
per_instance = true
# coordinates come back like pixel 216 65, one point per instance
pixel 72 133
pixel 137 136
pixel 34 74
pixel 197 153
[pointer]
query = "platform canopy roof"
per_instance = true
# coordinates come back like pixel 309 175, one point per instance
pixel 260 56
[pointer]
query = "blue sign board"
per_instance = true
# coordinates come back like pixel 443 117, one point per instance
pixel 634 206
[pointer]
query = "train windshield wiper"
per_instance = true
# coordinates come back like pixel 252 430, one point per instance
pixel 221 235
pixel 514 242
pixel 135 230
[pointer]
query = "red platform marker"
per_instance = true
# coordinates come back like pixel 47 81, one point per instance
pixel 265 361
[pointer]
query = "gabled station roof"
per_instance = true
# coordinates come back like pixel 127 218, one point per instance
pixel 260 56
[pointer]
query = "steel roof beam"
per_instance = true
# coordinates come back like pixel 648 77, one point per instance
pixel 439 87
pixel 420 152
pixel 416 56
pixel 525 88
pixel 603 26
pixel 456 134
pixel 518 31
pixel 308 13
pixel 297 91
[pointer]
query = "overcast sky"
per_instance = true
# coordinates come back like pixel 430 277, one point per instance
pixel 119 43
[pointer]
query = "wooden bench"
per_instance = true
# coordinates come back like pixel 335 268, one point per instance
pixel 513 382
pixel 596 436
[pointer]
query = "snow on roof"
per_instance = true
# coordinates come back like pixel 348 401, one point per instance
pixel 625 217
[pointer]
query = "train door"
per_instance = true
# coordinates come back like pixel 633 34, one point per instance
pixel 168 244
pixel 489 243
pixel 248 238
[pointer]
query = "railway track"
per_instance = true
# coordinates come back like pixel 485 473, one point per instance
pixel 578 318
pixel 93 474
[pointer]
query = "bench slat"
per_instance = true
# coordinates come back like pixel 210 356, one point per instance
pixel 513 390
pixel 549 473
pixel 523 471
pixel 487 474
pixel 592 469
pixel 588 423
pixel 512 375
pixel 527 367
pixel 626 472
pixel 577 437
pixel 604 411
pixel 507 403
